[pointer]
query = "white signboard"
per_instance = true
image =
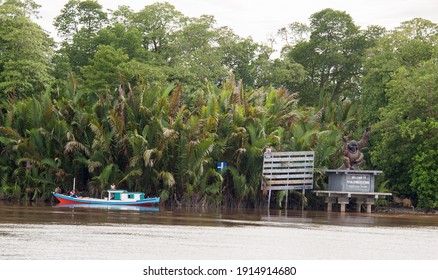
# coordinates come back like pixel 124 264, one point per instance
pixel 358 182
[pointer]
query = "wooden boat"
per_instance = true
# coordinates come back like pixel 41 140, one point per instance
pixel 108 207
pixel 115 197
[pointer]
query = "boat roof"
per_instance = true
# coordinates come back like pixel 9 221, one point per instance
pixel 120 191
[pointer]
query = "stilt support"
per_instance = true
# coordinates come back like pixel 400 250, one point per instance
pixel 269 199
pixel 343 198
pixel 329 201
pixel 343 201
pixel 287 194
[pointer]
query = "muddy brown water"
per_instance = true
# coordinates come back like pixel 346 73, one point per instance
pixel 50 232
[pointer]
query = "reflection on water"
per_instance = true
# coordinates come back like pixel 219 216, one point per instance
pixel 129 232
pixel 101 214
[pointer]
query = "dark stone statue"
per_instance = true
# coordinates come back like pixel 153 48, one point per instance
pixel 351 151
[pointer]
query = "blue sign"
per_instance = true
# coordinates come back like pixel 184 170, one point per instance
pixel 220 166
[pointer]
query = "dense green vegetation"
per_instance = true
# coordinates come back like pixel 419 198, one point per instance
pixel 152 100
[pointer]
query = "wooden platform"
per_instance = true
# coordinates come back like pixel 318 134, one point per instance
pixel 344 198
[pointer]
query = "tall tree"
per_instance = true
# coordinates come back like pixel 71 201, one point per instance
pixel 25 50
pixel 125 37
pixel 240 56
pixel 80 15
pixel 157 23
pixel 78 24
pixel 194 53
pixel 400 96
pixel 406 46
pixel 102 74
pixel 408 129
pixel 332 57
pixel 294 33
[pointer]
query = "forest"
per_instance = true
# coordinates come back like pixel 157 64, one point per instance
pixel 152 99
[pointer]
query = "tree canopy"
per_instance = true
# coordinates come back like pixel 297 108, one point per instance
pixel 25 50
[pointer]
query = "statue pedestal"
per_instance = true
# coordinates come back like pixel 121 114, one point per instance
pixel 346 185
pixel 346 180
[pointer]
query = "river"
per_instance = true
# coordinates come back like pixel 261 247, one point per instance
pixel 50 232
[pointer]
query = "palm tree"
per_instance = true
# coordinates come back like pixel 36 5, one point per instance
pixel 35 140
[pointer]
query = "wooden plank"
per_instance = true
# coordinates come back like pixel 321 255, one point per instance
pixel 292 153
pixel 301 157
pixel 274 160
pixel 285 176
pixel 292 187
pixel 289 164
pixel 296 170
pixel 289 182
pixel 288 159
pixel 287 171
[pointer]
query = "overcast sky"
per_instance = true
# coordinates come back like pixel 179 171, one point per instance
pixel 261 18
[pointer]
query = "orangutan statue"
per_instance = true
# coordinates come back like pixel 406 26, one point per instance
pixel 351 151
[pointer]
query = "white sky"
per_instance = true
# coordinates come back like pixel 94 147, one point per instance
pixel 261 18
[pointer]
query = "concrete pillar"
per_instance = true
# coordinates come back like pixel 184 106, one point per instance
pixel 342 207
pixel 359 202
pixel 329 201
pixel 369 202
pixel 343 200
